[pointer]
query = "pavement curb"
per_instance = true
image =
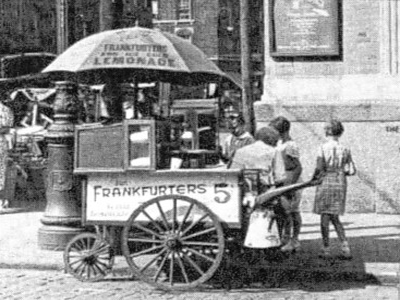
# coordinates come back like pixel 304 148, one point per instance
pixel 5 211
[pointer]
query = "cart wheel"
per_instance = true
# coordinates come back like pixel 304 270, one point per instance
pixel 88 257
pixel 173 242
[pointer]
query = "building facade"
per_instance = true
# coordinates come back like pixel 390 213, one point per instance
pixel 214 27
pixel 27 26
pixel 359 84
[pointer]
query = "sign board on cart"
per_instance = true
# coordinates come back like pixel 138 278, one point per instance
pixel 111 198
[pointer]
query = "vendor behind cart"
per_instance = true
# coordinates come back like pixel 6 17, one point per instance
pixel 238 136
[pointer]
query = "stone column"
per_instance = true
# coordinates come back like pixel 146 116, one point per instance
pixel 62 216
pixel 390 40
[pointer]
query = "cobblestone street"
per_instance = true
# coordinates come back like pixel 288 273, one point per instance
pixel 32 284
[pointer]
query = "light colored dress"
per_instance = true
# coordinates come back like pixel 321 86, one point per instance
pixel 262 157
pixel 330 196
pixel 6 120
pixel 290 148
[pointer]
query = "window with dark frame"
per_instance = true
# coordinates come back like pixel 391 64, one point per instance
pixel 184 10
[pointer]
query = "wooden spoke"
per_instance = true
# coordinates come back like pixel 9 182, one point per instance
pixel 200 254
pixel 88 257
pixel 190 243
pixel 164 219
pixel 185 276
pixel 102 264
pixel 102 272
pixel 101 249
pixel 152 221
pixel 87 271
pixel 87 244
pixel 80 265
pixel 194 224
pixel 171 269
pixel 163 252
pixel 161 266
pixel 146 251
pixel 79 259
pixel 147 230
pixel 174 214
pixel 198 234
pixel 185 217
pixel 82 270
pixel 194 265
pixel 145 241
pixel 78 246
pixel 152 260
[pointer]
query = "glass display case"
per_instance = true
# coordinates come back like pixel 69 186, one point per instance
pixel 139 153
pixel 131 145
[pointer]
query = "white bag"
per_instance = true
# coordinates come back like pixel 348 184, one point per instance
pixel 262 231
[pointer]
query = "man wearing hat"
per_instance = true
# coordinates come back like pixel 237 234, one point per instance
pixel 238 136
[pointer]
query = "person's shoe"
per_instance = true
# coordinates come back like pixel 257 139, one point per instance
pixel 346 252
pixel 296 244
pixel 288 247
pixel 285 240
pixel 325 252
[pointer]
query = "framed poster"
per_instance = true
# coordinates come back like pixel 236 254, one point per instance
pixel 305 27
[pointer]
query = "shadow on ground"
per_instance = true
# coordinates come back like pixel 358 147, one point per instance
pixel 305 270
pixel 29 194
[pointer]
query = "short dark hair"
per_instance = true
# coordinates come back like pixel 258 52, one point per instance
pixel 241 119
pixel 268 135
pixel 281 124
pixel 334 128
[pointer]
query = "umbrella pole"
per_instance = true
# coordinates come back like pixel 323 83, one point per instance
pixel 218 113
pixel 35 113
pixel 135 99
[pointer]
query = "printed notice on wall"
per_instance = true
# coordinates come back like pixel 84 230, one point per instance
pixel 305 27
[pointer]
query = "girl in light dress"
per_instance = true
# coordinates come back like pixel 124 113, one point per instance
pixel 290 153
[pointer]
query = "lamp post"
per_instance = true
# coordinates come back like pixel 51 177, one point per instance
pixel 62 216
pixel 247 97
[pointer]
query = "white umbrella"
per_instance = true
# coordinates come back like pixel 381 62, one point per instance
pixel 137 53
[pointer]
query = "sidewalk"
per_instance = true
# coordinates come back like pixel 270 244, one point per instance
pixel 374 239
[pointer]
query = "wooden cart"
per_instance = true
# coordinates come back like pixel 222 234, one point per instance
pixel 178 225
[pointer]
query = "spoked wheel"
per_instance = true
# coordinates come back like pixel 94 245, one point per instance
pixel 88 257
pixel 173 242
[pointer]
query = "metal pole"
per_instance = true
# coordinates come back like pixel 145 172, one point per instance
pixel 247 96
pixel 110 14
pixel 62 25
pixel 62 217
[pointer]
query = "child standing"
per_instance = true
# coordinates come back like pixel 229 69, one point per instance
pixel 334 163
pixel 290 201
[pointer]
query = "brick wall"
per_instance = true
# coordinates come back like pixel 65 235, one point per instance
pixel 206 26
pixel 204 22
